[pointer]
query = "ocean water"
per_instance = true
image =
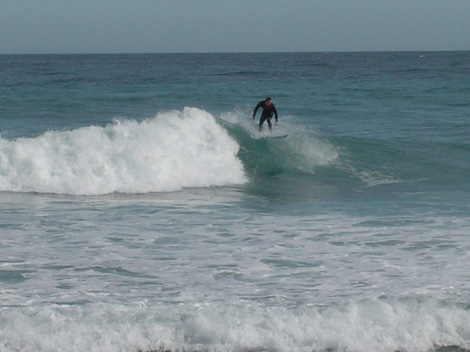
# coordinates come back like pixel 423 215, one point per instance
pixel 141 210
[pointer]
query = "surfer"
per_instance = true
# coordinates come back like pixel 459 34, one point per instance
pixel 268 111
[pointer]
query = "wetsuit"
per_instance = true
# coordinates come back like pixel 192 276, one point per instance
pixel 267 115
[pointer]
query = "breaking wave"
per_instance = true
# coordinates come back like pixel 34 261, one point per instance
pixel 174 150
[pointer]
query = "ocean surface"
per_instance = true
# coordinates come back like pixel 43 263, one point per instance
pixel 141 210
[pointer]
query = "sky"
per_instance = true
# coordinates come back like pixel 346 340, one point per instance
pixel 176 26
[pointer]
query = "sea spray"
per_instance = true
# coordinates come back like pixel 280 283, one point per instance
pixel 174 150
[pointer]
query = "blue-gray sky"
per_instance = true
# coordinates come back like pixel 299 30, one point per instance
pixel 156 26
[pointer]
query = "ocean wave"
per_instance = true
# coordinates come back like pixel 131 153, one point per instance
pixel 174 150
pixel 381 162
pixel 375 325
pixel 301 152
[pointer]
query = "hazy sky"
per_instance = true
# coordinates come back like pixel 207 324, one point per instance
pixel 128 26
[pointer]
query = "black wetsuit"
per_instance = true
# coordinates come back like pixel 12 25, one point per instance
pixel 267 115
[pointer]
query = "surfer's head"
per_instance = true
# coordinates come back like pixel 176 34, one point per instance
pixel 268 101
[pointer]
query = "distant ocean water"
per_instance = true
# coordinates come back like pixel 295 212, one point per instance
pixel 141 210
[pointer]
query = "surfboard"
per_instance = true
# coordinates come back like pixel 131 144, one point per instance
pixel 281 136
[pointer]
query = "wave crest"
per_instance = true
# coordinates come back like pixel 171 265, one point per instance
pixel 174 150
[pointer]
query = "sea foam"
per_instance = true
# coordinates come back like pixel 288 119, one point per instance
pixel 174 150
pixel 385 326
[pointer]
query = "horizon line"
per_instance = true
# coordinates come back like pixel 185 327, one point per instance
pixel 237 52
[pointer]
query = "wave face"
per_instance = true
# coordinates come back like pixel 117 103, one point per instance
pixel 263 154
pixel 174 150
pixel 349 164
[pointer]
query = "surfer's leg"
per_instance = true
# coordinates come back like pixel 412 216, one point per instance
pixel 261 121
pixel 270 125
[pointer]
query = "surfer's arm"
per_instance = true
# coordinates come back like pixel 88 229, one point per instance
pixel 275 113
pixel 256 109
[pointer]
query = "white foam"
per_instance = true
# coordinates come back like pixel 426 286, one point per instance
pixel 309 152
pixel 374 325
pixel 172 151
